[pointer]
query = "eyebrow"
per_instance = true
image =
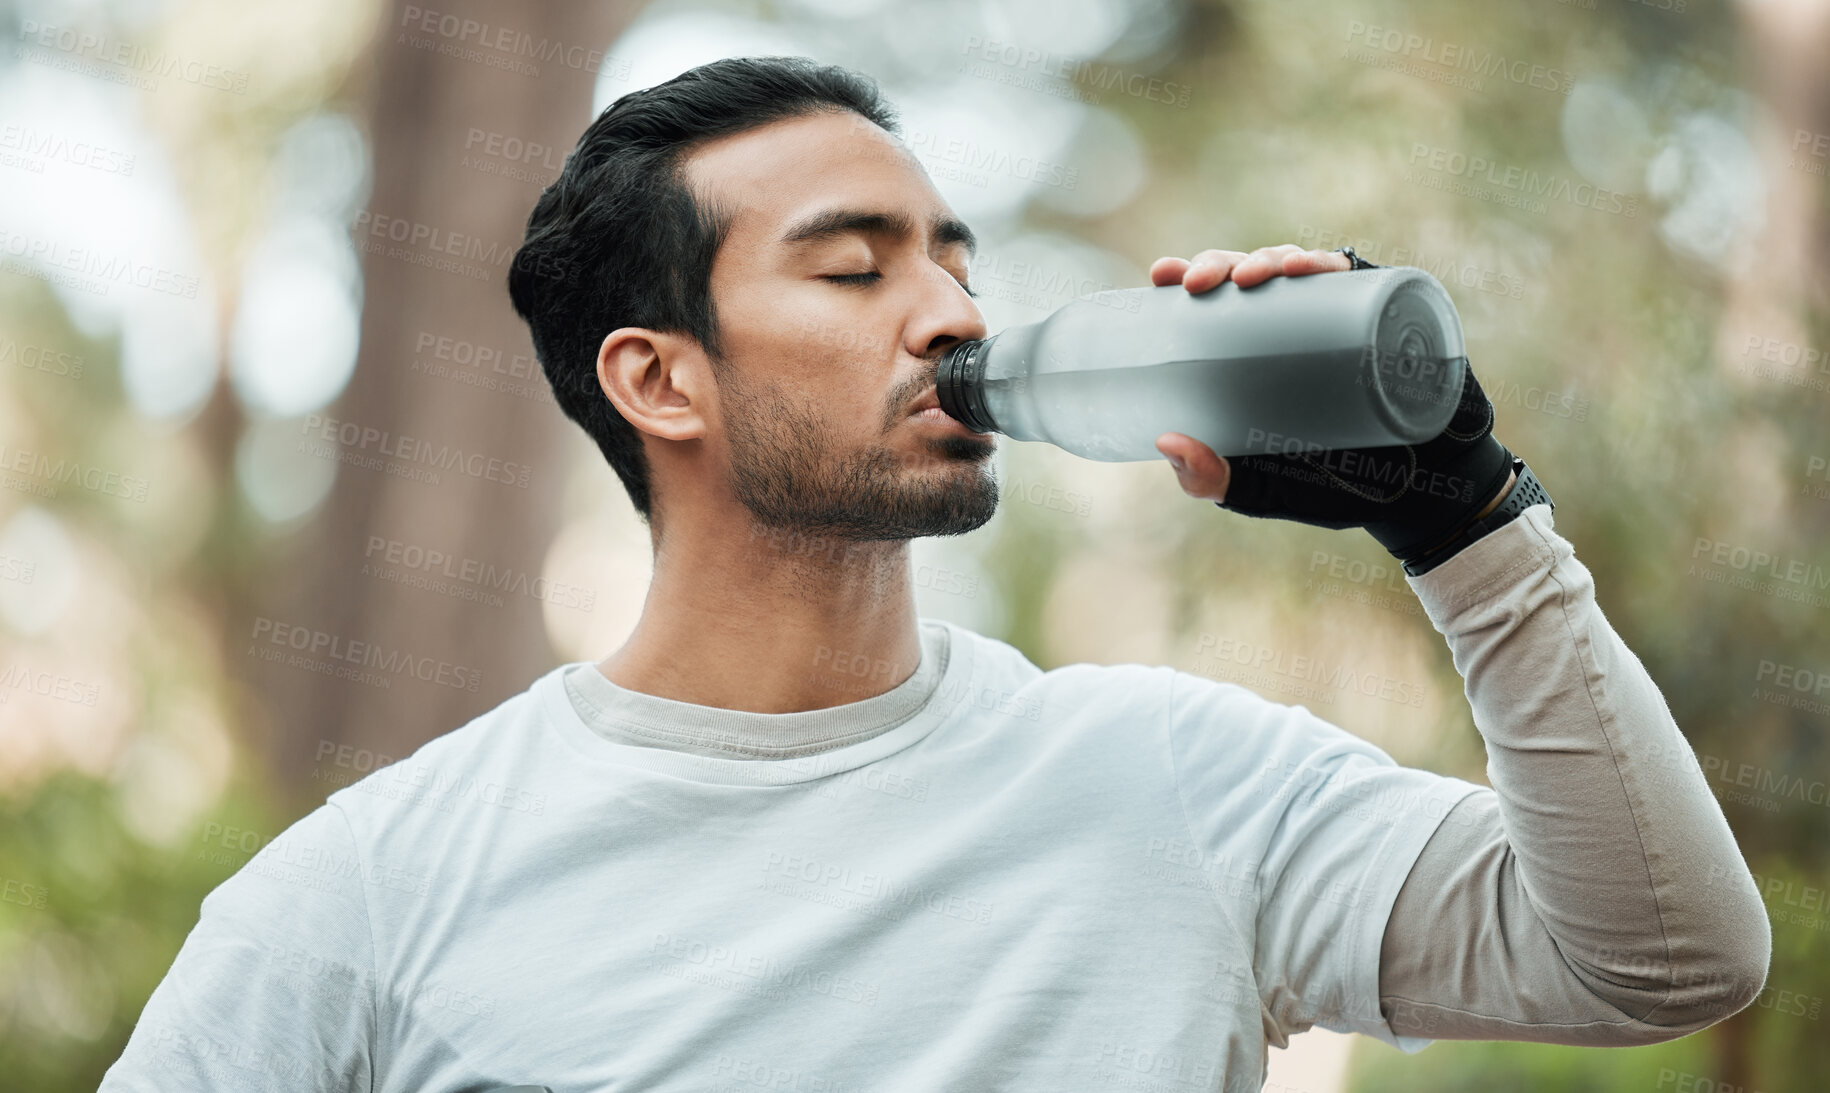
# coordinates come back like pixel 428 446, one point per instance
pixel 832 223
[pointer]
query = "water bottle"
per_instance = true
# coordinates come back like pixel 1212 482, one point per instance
pixel 1341 359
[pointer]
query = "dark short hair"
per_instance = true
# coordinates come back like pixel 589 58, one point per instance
pixel 618 239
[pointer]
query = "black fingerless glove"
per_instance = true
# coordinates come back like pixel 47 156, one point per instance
pixel 1410 497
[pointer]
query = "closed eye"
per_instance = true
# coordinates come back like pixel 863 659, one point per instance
pixel 872 275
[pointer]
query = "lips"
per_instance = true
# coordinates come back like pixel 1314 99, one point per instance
pixel 929 401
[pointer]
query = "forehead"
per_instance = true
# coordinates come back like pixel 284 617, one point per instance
pixel 778 174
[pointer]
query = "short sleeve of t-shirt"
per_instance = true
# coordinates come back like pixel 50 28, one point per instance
pixel 273 988
pixel 1313 831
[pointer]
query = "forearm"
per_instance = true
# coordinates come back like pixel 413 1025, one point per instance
pixel 1597 894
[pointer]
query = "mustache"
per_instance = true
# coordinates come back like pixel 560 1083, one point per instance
pixel 912 390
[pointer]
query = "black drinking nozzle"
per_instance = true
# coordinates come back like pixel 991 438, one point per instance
pixel 962 369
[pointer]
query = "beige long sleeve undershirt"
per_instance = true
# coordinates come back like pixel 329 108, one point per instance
pixel 1595 895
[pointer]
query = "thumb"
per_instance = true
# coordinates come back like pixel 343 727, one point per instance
pixel 1199 471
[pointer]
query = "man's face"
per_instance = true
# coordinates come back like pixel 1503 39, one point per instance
pixel 818 375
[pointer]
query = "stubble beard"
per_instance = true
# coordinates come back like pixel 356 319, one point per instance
pixel 786 472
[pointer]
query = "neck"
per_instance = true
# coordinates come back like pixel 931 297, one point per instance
pixel 772 622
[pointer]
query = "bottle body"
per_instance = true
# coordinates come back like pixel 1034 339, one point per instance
pixel 1350 359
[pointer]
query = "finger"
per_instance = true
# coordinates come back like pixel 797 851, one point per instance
pixel 1263 264
pixel 1210 268
pixel 1199 471
pixel 1168 270
pixel 1315 261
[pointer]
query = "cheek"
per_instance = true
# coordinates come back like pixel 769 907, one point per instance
pixel 808 337
pixel 818 358
pixel 755 314
pixel 836 326
pixel 851 416
pixel 802 411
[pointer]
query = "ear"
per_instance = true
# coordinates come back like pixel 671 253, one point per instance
pixel 661 383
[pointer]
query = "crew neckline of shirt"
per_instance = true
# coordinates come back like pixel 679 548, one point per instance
pixel 626 716
pixel 941 700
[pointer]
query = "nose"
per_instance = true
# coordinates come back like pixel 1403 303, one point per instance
pixel 945 317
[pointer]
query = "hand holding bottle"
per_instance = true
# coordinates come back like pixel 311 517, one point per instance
pixel 1202 473
pixel 1210 267
pixel 1408 497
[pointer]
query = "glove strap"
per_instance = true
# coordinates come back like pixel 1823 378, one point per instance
pixel 1356 262
pixel 1525 492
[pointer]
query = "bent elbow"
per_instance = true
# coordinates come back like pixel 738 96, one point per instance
pixel 1725 982
pixel 1745 963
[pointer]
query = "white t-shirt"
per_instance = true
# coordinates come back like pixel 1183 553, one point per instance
pixel 1098 876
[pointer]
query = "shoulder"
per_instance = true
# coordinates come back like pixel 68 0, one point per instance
pixel 997 663
pixel 446 775
pixel 1221 731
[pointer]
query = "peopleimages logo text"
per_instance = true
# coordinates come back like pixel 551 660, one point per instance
pixel 1094 74
pixel 505 40
pixel 1523 180
pixel 313 642
pixel 412 450
pixel 1481 62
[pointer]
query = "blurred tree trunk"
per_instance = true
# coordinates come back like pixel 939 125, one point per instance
pixel 1784 46
pixel 470 122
